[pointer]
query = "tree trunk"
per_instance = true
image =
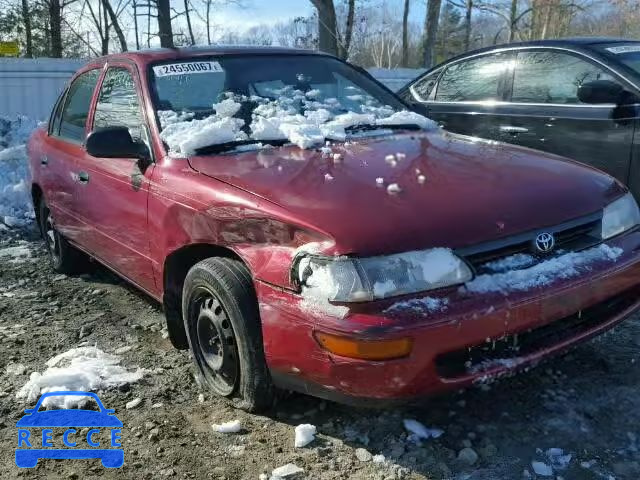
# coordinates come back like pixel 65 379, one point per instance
pixel 55 31
pixel 405 34
pixel 135 24
pixel 327 33
pixel 26 19
pixel 164 23
pixel 348 34
pixel 512 20
pixel 189 27
pixel 430 32
pixel 467 25
pixel 208 22
pixel 105 38
pixel 116 25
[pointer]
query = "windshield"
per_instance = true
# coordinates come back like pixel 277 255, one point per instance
pixel 302 99
pixel 628 54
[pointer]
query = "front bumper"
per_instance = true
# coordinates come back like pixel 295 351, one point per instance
pixel 477 337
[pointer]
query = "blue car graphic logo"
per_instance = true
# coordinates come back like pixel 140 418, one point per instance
pixel 44 445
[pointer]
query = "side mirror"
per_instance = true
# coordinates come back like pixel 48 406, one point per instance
pixel 601 91
pixel 116 142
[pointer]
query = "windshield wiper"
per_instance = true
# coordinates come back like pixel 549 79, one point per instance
pixel 367 127
pixel 227 146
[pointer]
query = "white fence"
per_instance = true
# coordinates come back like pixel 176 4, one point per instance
pixel 30 87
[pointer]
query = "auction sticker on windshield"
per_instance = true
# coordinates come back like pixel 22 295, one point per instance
pixel 186 68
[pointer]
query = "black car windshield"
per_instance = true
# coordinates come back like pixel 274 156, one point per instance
pixel 244 100
pixel 628 54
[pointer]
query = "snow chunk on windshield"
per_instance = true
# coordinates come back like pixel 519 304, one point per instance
pixel 79 369
pixel 563 267
pixel 290 115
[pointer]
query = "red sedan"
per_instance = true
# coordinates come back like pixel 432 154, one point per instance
pixel 303 230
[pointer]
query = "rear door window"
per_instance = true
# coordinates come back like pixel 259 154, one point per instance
pixel 477 79
pixel 553 77
pixel 118 104
pixel 73 118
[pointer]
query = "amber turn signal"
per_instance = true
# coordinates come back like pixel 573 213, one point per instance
pixel 365 349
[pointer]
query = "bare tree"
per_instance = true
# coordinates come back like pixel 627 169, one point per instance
pixel 187 8
pixel 165 31
pixel 327 27
pixel 405 33
pixel 343 47
pixel 55 9
pixel 113 17
pixel 431 21
pixel 26 19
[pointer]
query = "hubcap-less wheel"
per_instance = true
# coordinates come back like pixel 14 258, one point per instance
pixel 217 342
pixel 51 238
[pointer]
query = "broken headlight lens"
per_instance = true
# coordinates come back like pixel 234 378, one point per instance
pixel 620 216
pixel 347 279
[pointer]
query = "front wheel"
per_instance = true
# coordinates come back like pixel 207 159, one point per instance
pixel 221 317
pixel 64 257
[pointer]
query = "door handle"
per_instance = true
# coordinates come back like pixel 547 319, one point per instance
pixel 512 129
pixel 44 160
pixel 83 177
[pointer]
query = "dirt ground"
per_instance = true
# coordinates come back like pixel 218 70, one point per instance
pixel 586 403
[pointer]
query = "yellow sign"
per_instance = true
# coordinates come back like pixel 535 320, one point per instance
pixel 9 49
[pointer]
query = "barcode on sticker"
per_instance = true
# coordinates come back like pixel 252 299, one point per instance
pixel 186 68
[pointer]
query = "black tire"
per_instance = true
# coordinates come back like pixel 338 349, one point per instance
pixel 64 257
pixel 222 322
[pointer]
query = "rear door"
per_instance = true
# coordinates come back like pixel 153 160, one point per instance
pixel 468 94
pixel 59 154
pixel 113 191
pixel 545 113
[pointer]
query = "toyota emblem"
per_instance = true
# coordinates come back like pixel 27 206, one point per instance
pixel 545 242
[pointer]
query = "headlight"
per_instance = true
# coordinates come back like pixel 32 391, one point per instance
pixel 345 279
pixel 620 216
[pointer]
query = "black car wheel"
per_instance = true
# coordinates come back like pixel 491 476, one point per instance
pixel 223 327
pixel 64 257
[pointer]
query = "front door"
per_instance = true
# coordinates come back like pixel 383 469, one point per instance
pixel 545 113
pixel 113 192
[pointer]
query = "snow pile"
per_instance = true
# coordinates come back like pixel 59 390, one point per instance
pixel 563 267
pixel 305 434
pixel 79 369
pixel 289 470
pixel 15 197
pixel 419 432
pixel 16 254
pixel 292 115
pixel 233 426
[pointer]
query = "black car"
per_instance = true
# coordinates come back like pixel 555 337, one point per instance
pixel 579 98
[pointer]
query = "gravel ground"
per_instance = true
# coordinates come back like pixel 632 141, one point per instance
pixel 586 403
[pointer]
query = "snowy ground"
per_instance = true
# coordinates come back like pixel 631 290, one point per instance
pixel 575 417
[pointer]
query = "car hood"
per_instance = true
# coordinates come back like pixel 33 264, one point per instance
pixel 473 190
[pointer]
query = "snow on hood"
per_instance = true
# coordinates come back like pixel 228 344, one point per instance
pixel 279 119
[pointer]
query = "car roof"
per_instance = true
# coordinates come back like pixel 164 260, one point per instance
pixel 158 54
pixel 576 42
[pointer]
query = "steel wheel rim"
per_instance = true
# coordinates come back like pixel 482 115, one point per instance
pixel 216 342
